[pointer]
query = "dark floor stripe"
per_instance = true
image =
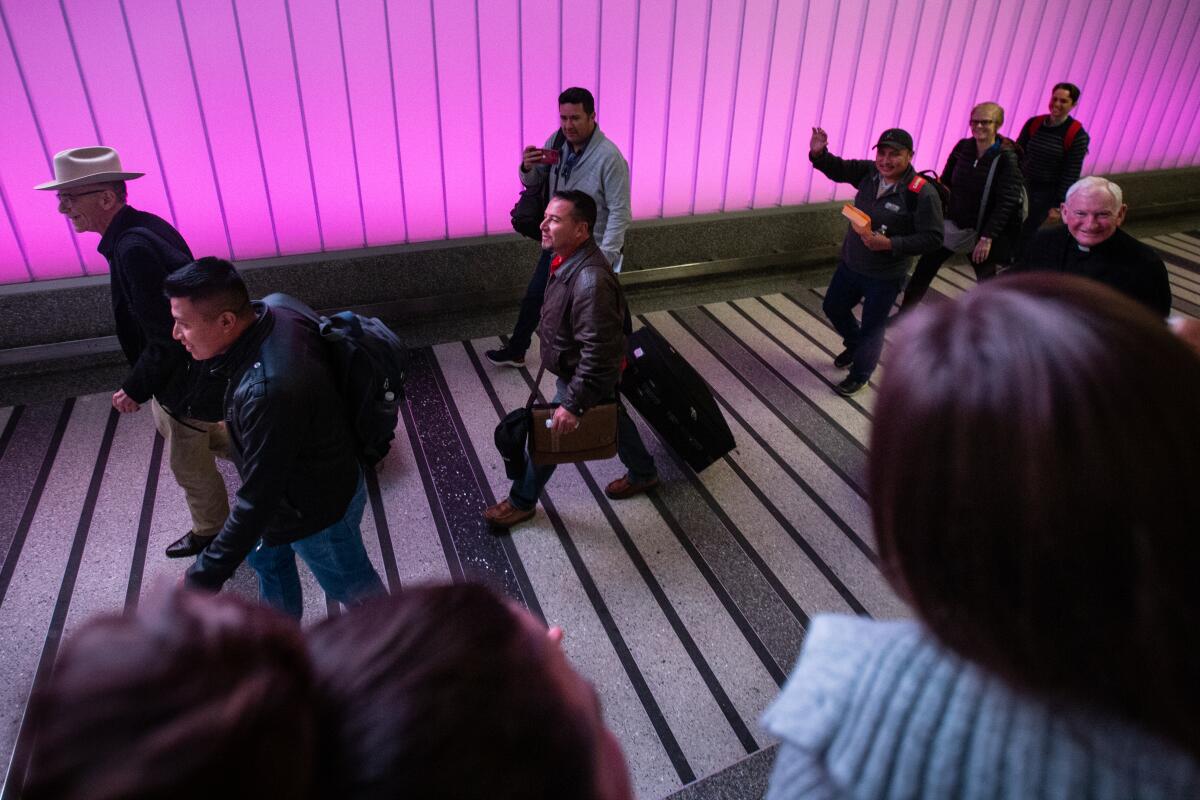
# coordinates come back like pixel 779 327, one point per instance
pixel 792 324
pixel 138 566
pixel 810 301
pixel 382 529
pixel 514 555
pixel 808 490
pixel 30 436
pixel 664 603
pixel 35 497
pixel 15 780
pixel 506 551
pixel 1189 282
pixel 435 504
pixel 776 666
pixel 10 428
pixel 813 429
pixel 768 616
pixel 670 744
pixel 829 420
pixel 1183 262
pixel 458 496
pixel 809 551
pixel 1184 306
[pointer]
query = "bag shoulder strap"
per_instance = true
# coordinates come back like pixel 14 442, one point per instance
pixel 987 190
pixel 536 383
pixel 1069 137
pixel 1035 123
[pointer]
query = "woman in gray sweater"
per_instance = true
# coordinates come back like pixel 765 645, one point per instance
pixel 1033 477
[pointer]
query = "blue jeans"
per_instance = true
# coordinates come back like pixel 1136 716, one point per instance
pixel 877 295
pixel 630 449
pixel 335 555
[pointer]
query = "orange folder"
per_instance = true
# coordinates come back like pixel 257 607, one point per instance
pixel 858 219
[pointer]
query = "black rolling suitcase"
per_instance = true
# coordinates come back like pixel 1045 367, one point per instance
pixel 675 400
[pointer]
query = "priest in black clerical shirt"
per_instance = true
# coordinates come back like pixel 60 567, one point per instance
pixel 1091 244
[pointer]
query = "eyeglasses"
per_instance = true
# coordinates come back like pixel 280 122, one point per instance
pixel 983 122
pixel 69 199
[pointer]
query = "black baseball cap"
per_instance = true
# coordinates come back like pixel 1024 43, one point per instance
pixel 897 138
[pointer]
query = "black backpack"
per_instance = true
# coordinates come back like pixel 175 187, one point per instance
pixel 942 189
pixel 368 362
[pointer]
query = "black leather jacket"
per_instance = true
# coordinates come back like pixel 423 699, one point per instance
pixel 290 438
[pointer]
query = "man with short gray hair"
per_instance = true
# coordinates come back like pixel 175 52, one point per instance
pixel 1092 244
pixel 141 250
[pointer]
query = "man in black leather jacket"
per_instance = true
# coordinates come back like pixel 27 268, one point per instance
pixel 302 488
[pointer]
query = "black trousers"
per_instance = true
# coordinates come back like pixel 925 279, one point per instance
pixel 929 264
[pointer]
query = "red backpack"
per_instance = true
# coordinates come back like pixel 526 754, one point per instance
pixel 1073 130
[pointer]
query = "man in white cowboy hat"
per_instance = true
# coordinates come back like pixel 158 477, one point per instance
pixel 142 249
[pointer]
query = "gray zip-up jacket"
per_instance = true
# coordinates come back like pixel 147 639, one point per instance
pixel 603 173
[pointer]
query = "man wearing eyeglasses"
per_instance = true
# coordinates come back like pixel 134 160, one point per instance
pixel 141 250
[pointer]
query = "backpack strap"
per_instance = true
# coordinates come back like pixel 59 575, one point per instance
pixel 1035 123
pixel 916 183
pixel 1072 131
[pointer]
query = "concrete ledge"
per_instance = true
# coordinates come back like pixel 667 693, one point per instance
pixel 411 282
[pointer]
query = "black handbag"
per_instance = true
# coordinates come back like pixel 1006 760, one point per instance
pixel 530 210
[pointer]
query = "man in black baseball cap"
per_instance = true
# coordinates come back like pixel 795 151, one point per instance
pixel 903 219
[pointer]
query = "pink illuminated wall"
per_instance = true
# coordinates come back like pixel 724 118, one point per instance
pixel 276 127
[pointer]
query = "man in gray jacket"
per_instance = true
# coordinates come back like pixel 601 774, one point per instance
pixel 584 159
pixel 583 343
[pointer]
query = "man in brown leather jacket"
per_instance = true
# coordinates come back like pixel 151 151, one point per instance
pixel 583 344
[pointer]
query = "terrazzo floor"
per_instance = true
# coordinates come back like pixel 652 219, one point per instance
pixel 686 607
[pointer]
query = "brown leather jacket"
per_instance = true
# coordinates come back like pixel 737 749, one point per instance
pixel 581 328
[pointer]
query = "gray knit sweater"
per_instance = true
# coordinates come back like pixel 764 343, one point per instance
pixel 603 173
pixel 881 710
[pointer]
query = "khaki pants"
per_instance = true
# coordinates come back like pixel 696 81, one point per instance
pixel 193 447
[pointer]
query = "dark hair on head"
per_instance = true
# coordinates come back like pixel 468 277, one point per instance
pixel 211 281
pixel 1032 470
pixel 579 96
pixel 195 696
pixel 443 691
pixel 1070 88
pixel 582 204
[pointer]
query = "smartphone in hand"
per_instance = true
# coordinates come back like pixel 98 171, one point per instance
pixel 549 156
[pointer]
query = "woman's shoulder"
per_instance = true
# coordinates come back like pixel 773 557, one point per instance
pixel 875 707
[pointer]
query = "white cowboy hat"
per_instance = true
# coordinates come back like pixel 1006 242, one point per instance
pixel 80 166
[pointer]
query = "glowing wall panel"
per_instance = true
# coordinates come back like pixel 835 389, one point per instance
pixel 277 127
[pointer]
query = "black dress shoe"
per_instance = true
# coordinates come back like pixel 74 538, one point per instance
pixel 844 359
pixel 188 545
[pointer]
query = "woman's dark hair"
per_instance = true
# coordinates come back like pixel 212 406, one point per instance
pixel 1033 469
pixel 194 697
pixel 443 692
pixel 1071 90
pixel 212 281
pixel 578 96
